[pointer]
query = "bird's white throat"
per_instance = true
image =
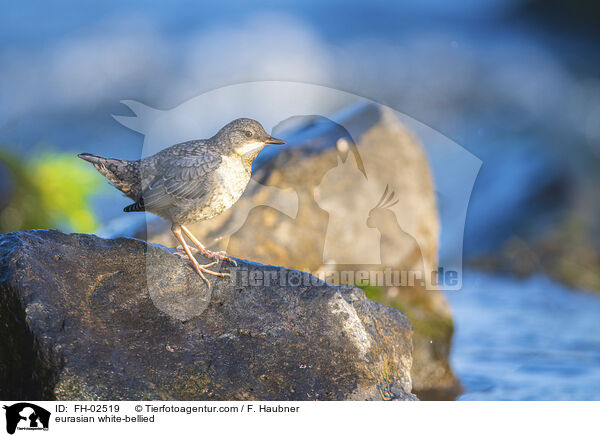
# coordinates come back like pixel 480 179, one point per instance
pixel 250 147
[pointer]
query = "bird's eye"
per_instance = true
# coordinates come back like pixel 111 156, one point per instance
pixel 248 133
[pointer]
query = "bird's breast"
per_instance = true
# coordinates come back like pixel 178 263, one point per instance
pixel 231 179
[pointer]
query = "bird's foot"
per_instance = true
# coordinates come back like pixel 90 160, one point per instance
pixel 204 268
pixel 218 256
pixel 201 269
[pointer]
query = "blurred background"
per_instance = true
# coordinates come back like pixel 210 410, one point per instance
pixel 515 82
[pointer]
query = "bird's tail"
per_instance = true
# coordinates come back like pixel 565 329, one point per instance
pixel 124 175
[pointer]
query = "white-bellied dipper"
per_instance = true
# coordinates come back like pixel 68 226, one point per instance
pixel 191 181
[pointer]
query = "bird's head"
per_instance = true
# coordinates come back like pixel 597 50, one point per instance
pixel 246 137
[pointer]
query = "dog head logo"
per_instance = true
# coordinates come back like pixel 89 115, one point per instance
pixel 26 416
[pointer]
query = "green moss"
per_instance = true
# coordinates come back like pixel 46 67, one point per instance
pixel 426 323
pixel 374 292
pixel 51 190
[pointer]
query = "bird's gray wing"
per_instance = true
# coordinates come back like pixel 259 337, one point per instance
pixel 179 178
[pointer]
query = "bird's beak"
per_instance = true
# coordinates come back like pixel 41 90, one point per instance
pixel 272 140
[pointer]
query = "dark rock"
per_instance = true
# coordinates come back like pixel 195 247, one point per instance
pixel 90 319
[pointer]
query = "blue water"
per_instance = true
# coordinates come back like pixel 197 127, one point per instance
pixel 526 339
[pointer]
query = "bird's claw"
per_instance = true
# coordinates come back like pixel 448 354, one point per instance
pixel 203 268
pixel 219 256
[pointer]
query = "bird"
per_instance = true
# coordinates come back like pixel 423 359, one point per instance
pixel 191 181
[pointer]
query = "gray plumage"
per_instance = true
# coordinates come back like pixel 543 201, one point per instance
pixel 190 181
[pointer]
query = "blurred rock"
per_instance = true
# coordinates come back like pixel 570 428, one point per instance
pixel 580 18
pixel 340 172
pixel 571 253
pixel 568 253
pixel 521 190
pixel 563 243
pixel 90 319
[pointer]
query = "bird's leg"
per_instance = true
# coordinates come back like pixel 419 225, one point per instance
pixel 181 253
pixel 193 249
pixel 204 251
pixel 200 269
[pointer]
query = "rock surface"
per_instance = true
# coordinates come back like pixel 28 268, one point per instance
pixel 339 172
pixel 85 318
